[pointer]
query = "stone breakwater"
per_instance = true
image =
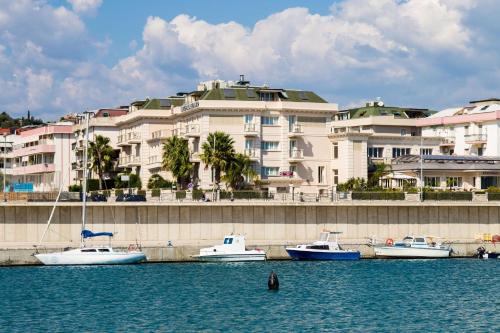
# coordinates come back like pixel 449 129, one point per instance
pixel 271 226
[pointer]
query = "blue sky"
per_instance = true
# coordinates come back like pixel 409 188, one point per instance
pixel 65 56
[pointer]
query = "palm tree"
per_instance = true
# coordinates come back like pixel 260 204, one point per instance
pixel 381 170
pixel 176 159
pixel 218 152
pixel 101 156
pixel 239 166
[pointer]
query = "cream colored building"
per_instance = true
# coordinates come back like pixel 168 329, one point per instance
pixel 373 134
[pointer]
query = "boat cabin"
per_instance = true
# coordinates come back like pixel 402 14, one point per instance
pixel 417 241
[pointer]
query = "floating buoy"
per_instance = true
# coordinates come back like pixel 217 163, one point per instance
pixel 273 282
pixel 389 242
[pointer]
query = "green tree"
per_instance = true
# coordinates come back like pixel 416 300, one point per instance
pixel 218 152
pixel 381 170
pixel 101 157
pixel 157 181
pixel 239 167
pixel 176 159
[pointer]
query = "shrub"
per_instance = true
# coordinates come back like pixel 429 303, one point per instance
pixel 494 196
pixel 155 192
pixel 412 190
pixel 118 192
pixel 378 195
pixel 493 189
pixel 134 182
pixel 197 194
pixel 157 181
pixel 107 193
pixel 179 195
pixel 92 185
pixel 448 195
pixel 75 188
pixel 141 192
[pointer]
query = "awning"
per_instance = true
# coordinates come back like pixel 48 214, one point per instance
pixel 88 234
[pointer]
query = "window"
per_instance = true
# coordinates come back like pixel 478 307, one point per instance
pixel 103 250
pixel 335 176
pixel 248 118
pixel 466 129
pixel 425 151
pixel 270 121
pixel 403 132
pixel 267 96
pixel 269 145
pixel 376 152
pixel 453 181
pixel 248 144
pixel 480 151
pixel 292 120
pixel 321 174
pixel 396 152
pixel 105 114
pixel 269 171
pixel 293 170
pixel 228 240
pixel 88 250
pixel 344 116
pixel 432 181
pixel 335 150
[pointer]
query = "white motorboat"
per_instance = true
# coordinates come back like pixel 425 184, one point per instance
pixel 326 248
pixel 100 255
pixel 233 249
pixel 413 247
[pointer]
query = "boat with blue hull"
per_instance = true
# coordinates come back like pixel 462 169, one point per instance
pixel 326 248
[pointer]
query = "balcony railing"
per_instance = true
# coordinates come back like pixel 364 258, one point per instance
pixel 250 129
pixel 475 138
pixel 159 135
pixel 296 154
pixel 251 152
pixel 192 130
pixel 448 141
pixel 295 129
pixel 128 138
pixel 178 131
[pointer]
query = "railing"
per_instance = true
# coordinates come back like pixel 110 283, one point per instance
pixel 250 128
pixel 251 152
pixel 450 140
pixel 475 138
pixel 296 129
pixel 192 129
pixel 160 134
pixel 154 159
pixel 178 131
pixel 133 136
pixel 296 154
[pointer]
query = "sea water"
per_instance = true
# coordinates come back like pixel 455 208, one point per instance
pixel 455 295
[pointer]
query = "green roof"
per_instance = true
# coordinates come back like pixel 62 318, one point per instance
pixel 252 94
pixel 398 112
pixel 162 103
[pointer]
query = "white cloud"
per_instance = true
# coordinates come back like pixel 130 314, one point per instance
pixel 86 7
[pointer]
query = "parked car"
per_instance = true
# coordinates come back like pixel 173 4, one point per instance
pixel 131 197
pixel 98 197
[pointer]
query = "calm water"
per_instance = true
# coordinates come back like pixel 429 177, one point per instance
pixel 365 296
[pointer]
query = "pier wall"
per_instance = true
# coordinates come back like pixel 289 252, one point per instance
pixel 191 226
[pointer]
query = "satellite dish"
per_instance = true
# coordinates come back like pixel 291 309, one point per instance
pixel 380 103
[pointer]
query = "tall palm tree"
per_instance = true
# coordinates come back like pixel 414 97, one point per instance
pixel 239 167
pixel 176 159
pixel 218 152
pixel 381 170
pixel 101 157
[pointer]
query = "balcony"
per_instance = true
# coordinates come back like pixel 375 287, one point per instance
pixel 251 129
pixel 129 138
pixel 77 165
pixel 252 154
pixel 129 161
pixel 179 131
pixel 159 135
pixel 195 157
pixel 475 139
pixel 296 155
pixel 38 149
pixel 192 130
pixel 154 162
pixel 295 130
pixel 35 168
pixel 447 141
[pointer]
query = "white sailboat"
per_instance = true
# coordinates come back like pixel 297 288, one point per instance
pixel 97 255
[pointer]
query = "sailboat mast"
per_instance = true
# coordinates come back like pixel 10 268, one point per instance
pixel 85 175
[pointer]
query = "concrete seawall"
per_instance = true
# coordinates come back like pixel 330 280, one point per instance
pixel 268 225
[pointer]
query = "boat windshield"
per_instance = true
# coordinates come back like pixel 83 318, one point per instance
pixel 407 239
pixel 228 240
pixel 318 247
pixel 323 236
pixel 419 240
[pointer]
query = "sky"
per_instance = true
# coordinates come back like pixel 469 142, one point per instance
pixel 64 56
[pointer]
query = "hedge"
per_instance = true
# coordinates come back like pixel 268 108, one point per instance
pixel 141 192
pixel 494 196
pixel 448 195
pixel 378 196
pixel 155 192
pixel 179 195
pixel 118 192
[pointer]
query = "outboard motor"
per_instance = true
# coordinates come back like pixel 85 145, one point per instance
pixel 480 252
pixel 272 281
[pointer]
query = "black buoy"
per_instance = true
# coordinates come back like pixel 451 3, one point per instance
pixel 273 282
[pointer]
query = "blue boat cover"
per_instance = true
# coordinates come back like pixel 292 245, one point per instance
pixel 87 234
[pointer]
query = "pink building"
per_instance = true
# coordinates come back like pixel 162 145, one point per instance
pixel 41 156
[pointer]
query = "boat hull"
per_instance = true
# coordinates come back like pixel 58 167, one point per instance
pixel 410 252
pixel 300 254
pixel 71 258
pixel 232 257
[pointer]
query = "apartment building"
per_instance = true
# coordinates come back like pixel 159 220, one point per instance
pixel 41 157
pixel 362 137
pixel 141 134
pixel 102 122
pixel 471 137
pixel 283 131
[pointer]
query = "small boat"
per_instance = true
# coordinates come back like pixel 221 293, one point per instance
pixel 481 253
pixel 413 247
pixel 326 248
pixel 233 249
